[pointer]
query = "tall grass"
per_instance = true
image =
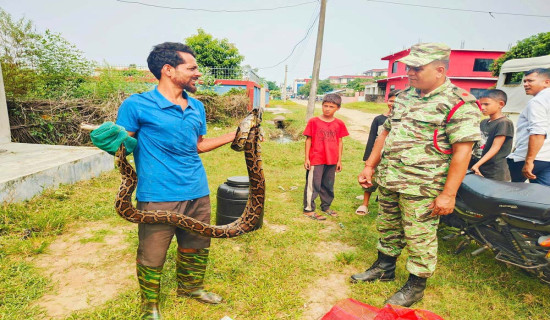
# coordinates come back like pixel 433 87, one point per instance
pixel 266 274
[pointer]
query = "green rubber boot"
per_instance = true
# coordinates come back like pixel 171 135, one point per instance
pixel 149 284
pixel 190 268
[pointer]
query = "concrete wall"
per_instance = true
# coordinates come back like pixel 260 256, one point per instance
pixel 5 134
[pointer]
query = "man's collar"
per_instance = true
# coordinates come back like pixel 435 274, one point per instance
pixel 164 103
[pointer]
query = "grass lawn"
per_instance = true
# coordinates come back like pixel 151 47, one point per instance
pixel 370 107
pixel 278 272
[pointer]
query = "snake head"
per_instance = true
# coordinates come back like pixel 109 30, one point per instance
pixel 252 120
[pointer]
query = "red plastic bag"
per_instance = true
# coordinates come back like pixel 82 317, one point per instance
pixel 351 309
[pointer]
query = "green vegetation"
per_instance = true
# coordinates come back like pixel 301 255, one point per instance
pixel 273 273
pixel 214 53
pixel 323 86
pixel 534 46
pixel 369 107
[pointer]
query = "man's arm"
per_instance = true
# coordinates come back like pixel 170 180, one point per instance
pixel 205 145
pixel 365 177
pixel 535 144
pixel 495 147
pixel 444 203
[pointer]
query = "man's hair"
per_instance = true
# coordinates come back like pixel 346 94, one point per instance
pixel 333 98
pixel 393 93
pixel 166 53
pixel 445 63
pixel 495 94
pixel 545 72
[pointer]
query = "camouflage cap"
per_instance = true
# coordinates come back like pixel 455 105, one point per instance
pixel 423 53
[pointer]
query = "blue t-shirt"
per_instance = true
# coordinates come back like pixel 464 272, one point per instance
pixel 168 165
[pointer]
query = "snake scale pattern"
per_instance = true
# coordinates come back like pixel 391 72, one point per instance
pixel 247 139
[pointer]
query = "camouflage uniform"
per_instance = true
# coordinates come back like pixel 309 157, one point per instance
pixel 412 173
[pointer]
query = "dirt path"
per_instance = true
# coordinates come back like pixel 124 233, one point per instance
pixel 358 122
pixel 88 266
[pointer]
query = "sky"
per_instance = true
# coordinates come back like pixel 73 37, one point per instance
pixel 358 33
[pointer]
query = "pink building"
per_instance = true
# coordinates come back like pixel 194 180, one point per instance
pixel 468 69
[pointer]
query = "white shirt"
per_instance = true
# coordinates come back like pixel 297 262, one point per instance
pixel 534 119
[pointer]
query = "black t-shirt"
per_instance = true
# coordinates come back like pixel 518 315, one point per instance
pixel 496 168
pixel 375 129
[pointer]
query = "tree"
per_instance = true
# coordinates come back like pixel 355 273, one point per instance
pixel 534 46
pixel 38 65
pixel 357 84
pixel 322 87
pixel 272 85
pixel 214 53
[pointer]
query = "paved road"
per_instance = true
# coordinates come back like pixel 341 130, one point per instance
pixel 357 122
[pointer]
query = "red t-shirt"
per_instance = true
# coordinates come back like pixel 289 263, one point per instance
pixel 325 138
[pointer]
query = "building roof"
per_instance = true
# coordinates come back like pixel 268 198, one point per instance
pixel 403 52
pixel 351 76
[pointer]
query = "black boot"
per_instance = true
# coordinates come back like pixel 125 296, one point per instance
pixel 382 269
pixel 412 292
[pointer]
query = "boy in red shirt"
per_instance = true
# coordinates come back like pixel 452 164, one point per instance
pixel 323 157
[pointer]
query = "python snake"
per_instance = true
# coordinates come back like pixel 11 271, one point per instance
pixel 247 138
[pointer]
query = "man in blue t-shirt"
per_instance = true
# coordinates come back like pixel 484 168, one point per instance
pixel 169 126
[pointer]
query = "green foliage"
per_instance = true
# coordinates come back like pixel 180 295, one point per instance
pixel 18 47
pixel 214 53
pixel 275 94
pixel 38 65
pixel 534 46
pixel 272 85
pixel 323 86
pixel 357 84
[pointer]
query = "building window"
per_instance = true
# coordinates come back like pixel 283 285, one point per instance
pixel 483 65
pixel 477 92
pixel 394 67
pixel 513 78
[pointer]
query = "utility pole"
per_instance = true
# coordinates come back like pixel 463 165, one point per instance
pixel 316 62
pixel 284 88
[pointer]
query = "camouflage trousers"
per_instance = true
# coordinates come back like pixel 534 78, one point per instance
pixel 405 220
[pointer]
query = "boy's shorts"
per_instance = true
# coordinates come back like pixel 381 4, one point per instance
pixel 372 188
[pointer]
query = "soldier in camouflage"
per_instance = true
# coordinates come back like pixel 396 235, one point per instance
pixel 422 161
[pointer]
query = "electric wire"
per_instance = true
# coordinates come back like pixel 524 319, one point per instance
pixel 457 9
pixel 296 45
pixel 210 10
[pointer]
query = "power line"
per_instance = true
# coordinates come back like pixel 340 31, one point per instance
pixel 457 9
pixel 210 10
pixel 296 45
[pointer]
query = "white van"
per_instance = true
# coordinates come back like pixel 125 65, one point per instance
pixel 510 80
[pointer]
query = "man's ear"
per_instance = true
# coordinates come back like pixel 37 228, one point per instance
pixel 167 70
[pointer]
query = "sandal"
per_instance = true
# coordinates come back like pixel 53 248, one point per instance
pixel 314 216
pixel 331 213
pixel 362 210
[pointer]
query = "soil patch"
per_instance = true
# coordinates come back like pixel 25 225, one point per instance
pixel 330 288
pixel 88 266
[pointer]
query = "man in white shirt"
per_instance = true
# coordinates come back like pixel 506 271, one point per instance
pixel 531 156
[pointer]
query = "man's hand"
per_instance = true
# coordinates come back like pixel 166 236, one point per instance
pixel 365 177
pixel 307 164
pixel 339 166
pixel 442 205
pixel 527 170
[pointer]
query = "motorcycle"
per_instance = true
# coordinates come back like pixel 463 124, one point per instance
pixel 510 218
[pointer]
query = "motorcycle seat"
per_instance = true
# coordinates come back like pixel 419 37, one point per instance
pixel 490 197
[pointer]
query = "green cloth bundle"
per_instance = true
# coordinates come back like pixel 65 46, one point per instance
pixel 109 136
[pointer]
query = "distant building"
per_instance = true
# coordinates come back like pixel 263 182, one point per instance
pixel 298 83
pixel 468 69
pixel 347 78
pixel 376 73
